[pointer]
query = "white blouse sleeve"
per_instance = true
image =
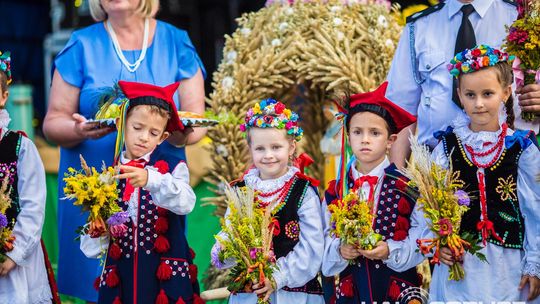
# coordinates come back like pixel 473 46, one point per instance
pixel 93 247
pixel 333 263
pixel 528 189
pixel 403 255
pixel 303 263
pixel 172 191
pixel 32 192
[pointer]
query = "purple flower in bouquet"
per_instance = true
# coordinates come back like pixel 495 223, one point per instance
pixel 118 218
pixel 463 198
pixel 3 221
pixel 253 253
pixel 214 257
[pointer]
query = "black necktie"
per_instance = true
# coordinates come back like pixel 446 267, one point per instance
pixel 465 40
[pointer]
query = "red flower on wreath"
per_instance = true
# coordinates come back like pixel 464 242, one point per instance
pixel 476 52
pixel 279 107
pixel 162 166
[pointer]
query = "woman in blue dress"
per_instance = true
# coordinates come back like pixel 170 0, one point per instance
pixel 95 58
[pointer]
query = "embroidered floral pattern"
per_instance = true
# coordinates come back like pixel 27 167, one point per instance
pixel 292 230
pixel 8 170
pixel 507 188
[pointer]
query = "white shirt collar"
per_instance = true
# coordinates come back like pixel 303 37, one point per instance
pixel 477 139
pixel 253 180
pixel 377 171
pixel 124 160
pixel 480 6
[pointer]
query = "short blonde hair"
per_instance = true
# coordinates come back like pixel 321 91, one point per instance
pixel 147 8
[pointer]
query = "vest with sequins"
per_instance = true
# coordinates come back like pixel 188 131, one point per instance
pixel 501 192
pixel 9 155
pixel 371 281
pixel 289 228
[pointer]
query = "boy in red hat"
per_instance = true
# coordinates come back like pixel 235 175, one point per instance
pixel 149 262
pixel 371 124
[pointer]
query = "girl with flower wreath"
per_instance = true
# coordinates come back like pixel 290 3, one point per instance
pixel 383 273
pixel 148 259
pixel 498 166
pixel 272 132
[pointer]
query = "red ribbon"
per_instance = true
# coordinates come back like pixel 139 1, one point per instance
pixel 301 162
pixel 275 224
pixel 140 163
pixel 485 226
pixel 371 180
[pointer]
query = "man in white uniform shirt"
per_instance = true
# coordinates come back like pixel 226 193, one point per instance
pixel 419 81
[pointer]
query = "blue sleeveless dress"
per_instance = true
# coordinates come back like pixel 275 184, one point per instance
pixel 89 62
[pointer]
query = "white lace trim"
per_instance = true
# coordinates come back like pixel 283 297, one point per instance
pixel 253 180
pixel 133 205
pixel 477 139
pixel 532 270
pixel 4 119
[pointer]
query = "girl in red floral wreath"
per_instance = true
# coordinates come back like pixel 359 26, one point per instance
pixel 272 132
pixel 149 261
pixel 367 276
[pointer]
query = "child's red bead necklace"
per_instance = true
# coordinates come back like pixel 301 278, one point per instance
pixel 497 148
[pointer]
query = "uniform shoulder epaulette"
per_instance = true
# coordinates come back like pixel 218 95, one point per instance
pixel 511 2
pixel 425 12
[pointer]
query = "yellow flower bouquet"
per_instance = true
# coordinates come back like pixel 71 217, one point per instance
pixel 523 41
pixel 352 221
pixel 6 233
pixel 247 239
pixel 444 203
pixel 97 193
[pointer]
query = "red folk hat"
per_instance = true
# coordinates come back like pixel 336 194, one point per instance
pixel 400 117
pixel 146 94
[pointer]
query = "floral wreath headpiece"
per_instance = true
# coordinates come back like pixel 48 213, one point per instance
pixel 475 59
pixel 5 65
pixel 270 113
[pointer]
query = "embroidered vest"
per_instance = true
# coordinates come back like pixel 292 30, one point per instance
pixel 9 154
pixel 372 281
pixel 289 231
pixel 501 192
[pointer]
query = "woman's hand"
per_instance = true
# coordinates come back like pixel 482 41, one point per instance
pixel 7 266
pixel 89 130
pixel 446 256
pixel 534 286
pixel 180 138
pixel 138 177
pixel 348 252
pixel 380 252
pixel 529 98
pixel 266 288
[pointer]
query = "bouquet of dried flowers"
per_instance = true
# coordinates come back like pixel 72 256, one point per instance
pixel 6 233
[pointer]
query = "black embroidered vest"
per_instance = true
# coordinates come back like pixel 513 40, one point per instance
pixel 289 231
pixel 9 154
pixel 501 192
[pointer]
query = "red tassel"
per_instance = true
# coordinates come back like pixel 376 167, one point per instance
pixel 404 208
pixel 400 235
pixel 97 281
pixel 164 271
pixel 162 211
pixel 402 223
pixel 193 271
pixel 115 251
pixel 161 245
pixel 394 291
pixel 180 301
pixel 162 225
pixel 346 287
pixel 192 253
pixel 112 279
pixel 117 300
pixel 162 298
pixel 197 299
